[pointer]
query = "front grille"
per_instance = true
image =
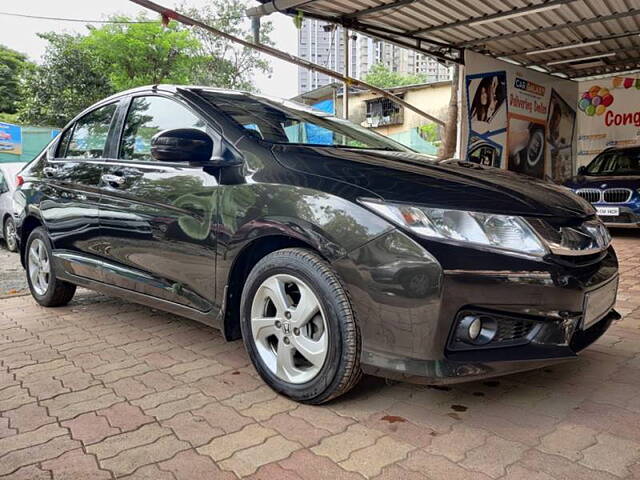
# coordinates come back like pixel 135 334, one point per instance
pixel 592 195
pixel 510 330
pixel 617 195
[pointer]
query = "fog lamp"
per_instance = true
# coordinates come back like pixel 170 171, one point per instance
pixel 476 329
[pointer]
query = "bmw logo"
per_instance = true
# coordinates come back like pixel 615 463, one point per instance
pixel 604 185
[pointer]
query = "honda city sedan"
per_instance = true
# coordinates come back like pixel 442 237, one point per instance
pixel 329 249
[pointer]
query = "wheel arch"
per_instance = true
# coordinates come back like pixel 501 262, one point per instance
pixel 28 225
pixel 250 254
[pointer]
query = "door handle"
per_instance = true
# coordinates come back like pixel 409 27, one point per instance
pixel 113 179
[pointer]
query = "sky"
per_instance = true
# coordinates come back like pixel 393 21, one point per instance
pixel 20 33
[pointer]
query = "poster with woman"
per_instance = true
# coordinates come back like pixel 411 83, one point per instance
pixel 487 113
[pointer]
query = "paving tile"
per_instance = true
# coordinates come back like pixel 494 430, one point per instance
pixel 436 467
pixel 223 447
pixel 611 454
pixel 568 440
pixel 455 444
pixel 188 465
pixel 116 444
pixel 127 461
pixel 309 466
pixel 493 456
pixel 28 417
pixel 371 460
pixel 338 447
pixel 246 462
pixel 55 447
pixel 74 465
pixel 90 428
pixel 125 416
pixel 193 429
pixel 296 429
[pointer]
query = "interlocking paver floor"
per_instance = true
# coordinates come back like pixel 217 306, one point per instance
pixel 107 389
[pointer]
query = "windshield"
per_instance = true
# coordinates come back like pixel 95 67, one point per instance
pixel 616 162
pixel 283 122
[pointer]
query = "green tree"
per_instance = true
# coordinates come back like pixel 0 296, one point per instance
pixel 138 54
pixel 222 63
pixel 380 76
pixel 13 65
pixel 70 78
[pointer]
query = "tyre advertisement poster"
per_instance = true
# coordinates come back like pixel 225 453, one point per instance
pixel 518 119
pixel 608 115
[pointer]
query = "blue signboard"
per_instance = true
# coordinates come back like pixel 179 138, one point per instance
pixel 10 138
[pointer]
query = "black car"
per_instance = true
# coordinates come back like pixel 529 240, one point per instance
pixel 611 182
pixel 331 250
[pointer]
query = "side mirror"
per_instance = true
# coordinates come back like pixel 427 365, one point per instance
pixel 182 145
pixel 582 170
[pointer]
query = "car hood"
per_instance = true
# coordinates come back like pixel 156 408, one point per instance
pixel 411 178
pixel 604 181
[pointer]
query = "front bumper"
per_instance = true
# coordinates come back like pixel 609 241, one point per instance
pixel 407 330
pixel 629 216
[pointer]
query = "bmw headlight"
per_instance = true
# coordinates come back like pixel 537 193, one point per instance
pixel 500 232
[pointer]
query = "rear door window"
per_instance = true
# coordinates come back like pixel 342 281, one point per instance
pixel 148 116
pixel 88 139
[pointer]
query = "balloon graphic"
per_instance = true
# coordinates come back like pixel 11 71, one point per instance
pixel 628 82
pixel 638 83
pixel 590 110
pixel 617 82
pixel 595 101
pixel 607 100
pixel 593 91
pixel 583 104
pixel 586 95
pixel 600 109
pixel 603 92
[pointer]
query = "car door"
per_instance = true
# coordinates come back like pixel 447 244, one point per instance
pixel 69 199
pixel 157 218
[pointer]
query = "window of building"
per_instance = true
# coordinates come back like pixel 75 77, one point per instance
pixel 382 111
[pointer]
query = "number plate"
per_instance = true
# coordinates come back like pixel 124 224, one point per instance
pixel 597 303
pixel 608 211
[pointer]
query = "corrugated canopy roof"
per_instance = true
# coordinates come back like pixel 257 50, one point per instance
pixel 576 38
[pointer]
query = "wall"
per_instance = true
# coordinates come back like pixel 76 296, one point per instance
pixel 608 115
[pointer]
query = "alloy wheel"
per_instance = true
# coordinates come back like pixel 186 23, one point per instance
pixel 10 236
pixel 289 328
pixel 39 266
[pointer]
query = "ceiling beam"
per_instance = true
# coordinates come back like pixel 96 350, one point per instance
pixel 608 68
pixel 507 36
pixel 443 51
pixel 492 16
pixel 379 8
pixel 511 53
pixel 275 6
pixel 577 59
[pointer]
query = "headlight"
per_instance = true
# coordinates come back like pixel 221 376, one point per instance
pixel 502 232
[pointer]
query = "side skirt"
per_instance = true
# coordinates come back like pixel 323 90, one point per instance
pixel 211 318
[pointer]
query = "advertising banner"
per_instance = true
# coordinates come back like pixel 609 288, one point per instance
pixel 609 115
pixel 10 138
pixel 518 119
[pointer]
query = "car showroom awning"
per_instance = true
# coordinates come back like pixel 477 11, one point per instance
pixel 569 38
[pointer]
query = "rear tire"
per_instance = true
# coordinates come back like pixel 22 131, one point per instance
pixel 9 233
pixel 45 287
pixel 299 327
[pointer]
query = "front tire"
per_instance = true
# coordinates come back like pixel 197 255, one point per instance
pixel 9 233
pixel 299 327
pixel 45 287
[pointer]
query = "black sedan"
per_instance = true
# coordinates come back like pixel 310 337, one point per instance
pixel 329 249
